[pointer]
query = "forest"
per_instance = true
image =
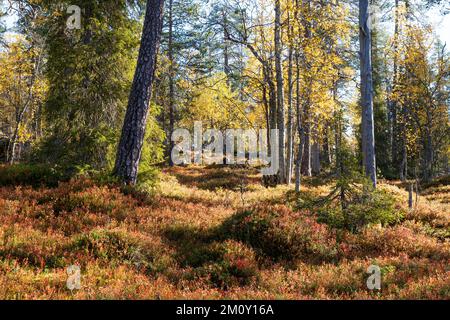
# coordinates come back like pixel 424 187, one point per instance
pixel 224 149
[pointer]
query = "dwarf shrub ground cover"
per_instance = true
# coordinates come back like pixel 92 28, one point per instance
pixel 30 175
pixel 282 234
pixel 188 242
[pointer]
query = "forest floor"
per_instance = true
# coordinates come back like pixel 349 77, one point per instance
pixel 206 233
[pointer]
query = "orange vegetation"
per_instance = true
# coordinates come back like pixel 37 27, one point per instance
pixel 211 233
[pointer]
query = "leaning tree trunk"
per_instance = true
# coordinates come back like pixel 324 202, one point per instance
pixel 133 131
pixel 368 131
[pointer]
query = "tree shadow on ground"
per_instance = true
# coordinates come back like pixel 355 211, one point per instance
pixel 216 177
pixel 197 246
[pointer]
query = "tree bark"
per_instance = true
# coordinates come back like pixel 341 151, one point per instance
pixel 393 104
pixel 226 58
pixel 429 157
pixel 326 145
pixel 404 160
pixel 368 134
pixel 306 159
pixel 280 91
pixel 272 97
pixel 290 143
pixel 171 83
pixel 133 132
pixel 266 113
pixel 301 132
pixel 298 165
pixel 315 152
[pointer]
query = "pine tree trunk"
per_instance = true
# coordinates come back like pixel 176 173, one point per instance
pixel 368 134
pixel 133 131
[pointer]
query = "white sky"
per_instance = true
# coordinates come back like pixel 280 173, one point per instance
pixel 442 25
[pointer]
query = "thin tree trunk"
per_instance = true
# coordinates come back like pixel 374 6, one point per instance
pixel 266 113
pixel 404 155
pixel 280 91
pixel 298 164
pixel 339 161
pixel 404 161
pixel 429 157
pixel 226 59
pixel 11 150
pixel 133 132
pixel 306 157
pixel 315 151
pixel 368 131
pixel 326 145
pixel 272 100
pixel 393 104
pixel 290 143
pixel 306 161
pixel 301 132
pixel 171 83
